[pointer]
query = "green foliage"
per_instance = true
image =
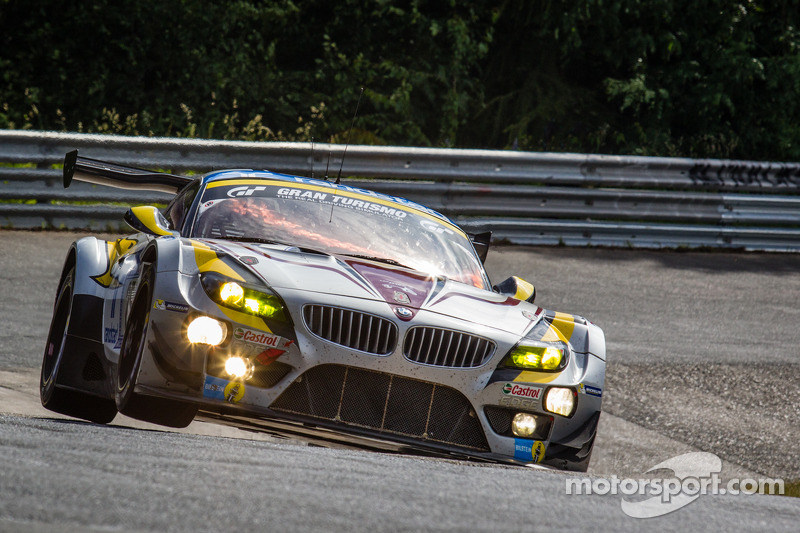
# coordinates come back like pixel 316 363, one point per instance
pixel 652 77
pixel 658 77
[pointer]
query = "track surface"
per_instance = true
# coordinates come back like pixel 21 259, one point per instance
pixel 702 356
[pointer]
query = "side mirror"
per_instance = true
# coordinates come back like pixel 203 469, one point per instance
pixel 148 219
pixel 516 288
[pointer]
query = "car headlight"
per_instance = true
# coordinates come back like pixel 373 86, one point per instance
pixel 560 400
pixel 238 367
pixel 523 425
pixel 242 297
pixel 206 330
pixel 539 356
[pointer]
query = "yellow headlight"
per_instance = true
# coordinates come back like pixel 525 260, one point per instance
pixel 537 357
pixel 252 305
pixel 231 293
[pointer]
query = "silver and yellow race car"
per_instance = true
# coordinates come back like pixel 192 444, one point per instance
pixel 322 308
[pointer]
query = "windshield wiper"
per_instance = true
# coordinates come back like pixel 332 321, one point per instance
pixel 377 259
pixel 260 240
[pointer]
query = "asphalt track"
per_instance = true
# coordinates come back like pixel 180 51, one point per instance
pixel 703 355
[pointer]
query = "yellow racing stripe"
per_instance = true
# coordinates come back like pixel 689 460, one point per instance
pixel 526 376
pixel 208 261
pixel 114 250
pixel 560 329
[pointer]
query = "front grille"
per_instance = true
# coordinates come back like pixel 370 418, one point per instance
pixel 443 347
pixel 359 331
pixel 385 403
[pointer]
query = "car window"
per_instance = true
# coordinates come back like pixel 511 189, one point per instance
pixel 340 222
pixel 177 209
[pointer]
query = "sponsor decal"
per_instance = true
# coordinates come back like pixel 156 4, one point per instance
pixel 259 337
pixel 234 392
pixel 310 184
pixel 246 190
pixel 518 403
pixel 591 391
pixel 162 305
pixel 304 195
pixel 269 355
pixel 529 450
pixel 214 388
pixel 392 284
pixel 434 227
pixel 365 192
pixel 341 200
pixel 522 391
pixel 401 298
pixel 110 335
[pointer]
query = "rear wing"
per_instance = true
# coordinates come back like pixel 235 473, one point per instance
pixel 112 175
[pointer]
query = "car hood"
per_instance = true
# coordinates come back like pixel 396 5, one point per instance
pixel 282 267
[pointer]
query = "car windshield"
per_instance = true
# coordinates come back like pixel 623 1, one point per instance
pixel 337 221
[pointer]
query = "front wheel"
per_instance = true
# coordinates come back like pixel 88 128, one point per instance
pixel 67 401
pixel 160 411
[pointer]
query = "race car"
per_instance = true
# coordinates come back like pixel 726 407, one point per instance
pixel 322 306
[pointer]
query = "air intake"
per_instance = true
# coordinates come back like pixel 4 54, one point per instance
pixel 444 347
pixel 352 329
pixel 385 403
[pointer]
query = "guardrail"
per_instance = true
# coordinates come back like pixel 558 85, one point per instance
pixel 523 197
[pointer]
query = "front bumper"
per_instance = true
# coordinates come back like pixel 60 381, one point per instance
pixel 322 384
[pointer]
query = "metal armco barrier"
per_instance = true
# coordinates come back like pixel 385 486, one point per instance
pixel 523 197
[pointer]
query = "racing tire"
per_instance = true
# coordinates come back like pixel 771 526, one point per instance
pixel 54 398
pixel 162 411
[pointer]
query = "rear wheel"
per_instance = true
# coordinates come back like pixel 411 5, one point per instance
pixel 161 411
pixel 67 401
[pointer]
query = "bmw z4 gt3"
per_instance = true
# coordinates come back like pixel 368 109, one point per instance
pixel 321 306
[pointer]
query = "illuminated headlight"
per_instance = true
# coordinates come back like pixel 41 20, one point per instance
pixel 530 356
pixel 560 400
pixel 523 425
pixel 257 301
pixel 231 293
pixel 206 330
pixel 237 367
